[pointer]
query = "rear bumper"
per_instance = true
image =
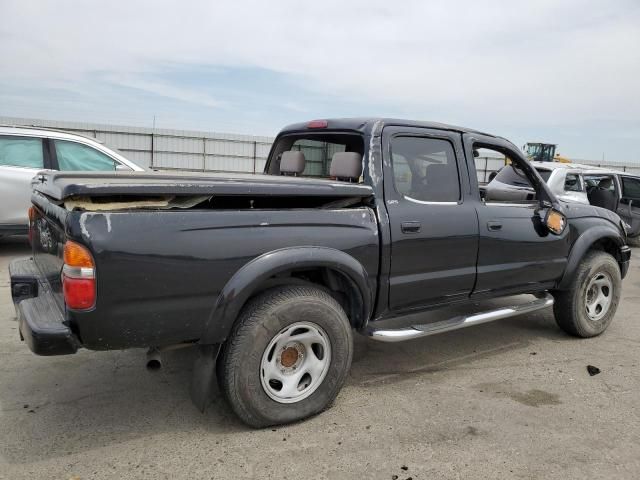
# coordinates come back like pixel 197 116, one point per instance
pixel 625 258
pixel 41 321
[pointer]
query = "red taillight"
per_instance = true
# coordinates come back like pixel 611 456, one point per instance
pixel 78 277
pixel 79 293
pixel 318 124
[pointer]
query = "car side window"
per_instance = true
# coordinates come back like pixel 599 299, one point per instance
pixel 23 152
pixel 631 188
pixel 572 183
pixel 74 156
pixel 425 169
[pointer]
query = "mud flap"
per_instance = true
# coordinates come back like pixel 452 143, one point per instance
pixel 203 378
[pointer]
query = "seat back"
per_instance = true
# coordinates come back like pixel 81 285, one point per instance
pixel 292 163
pixel 346 166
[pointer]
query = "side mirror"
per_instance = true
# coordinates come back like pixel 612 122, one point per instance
pixel 555 221
pixel 122 168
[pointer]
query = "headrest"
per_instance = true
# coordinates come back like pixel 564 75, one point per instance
pixel 605 182
pixel 292 162
pixel 346 165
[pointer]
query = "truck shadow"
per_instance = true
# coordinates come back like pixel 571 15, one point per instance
pixel 59 406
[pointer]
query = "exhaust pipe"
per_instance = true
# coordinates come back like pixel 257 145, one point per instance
pixel 154 360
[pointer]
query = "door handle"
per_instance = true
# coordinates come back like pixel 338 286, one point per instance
pixel 410 227
pixel 494 226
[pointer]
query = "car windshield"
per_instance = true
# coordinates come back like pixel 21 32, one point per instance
pixel 512 175
pixel 544 173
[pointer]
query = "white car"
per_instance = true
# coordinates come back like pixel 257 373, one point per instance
pixel 574 183
pixel 25 151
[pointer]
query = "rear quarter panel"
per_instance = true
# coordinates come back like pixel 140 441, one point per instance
pixel 159 273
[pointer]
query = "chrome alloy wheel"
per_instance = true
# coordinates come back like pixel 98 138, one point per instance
pixel 295 362
pixel 599 295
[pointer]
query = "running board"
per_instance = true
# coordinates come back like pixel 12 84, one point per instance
pixel 462 321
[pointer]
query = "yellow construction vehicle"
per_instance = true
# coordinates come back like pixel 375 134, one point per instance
pixel 543 152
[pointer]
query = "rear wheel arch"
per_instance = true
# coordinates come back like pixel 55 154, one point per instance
pixel 337 272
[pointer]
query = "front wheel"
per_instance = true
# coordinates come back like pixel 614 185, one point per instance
pixel 288 356
pixel 587 308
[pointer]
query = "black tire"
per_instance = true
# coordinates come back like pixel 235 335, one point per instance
pixel 570 307
pixel 264 318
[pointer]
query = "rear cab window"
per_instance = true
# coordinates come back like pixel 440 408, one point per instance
pixel 25 152
pixel 318 150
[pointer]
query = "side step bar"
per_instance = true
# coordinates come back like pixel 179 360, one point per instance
pixel 417 331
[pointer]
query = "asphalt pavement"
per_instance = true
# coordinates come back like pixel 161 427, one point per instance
pixel 510 399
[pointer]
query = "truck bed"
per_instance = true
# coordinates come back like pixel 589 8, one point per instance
pixel 160 271
pixel 61 185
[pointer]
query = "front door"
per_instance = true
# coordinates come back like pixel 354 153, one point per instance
pixel 516 252
pixel 434 229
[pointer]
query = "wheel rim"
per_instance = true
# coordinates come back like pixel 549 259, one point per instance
pixel 598 296
pixel 295 362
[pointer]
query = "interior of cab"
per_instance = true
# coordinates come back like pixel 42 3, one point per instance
pixel 335 156
pixel 601 191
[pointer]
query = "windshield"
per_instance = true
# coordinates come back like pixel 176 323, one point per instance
pixel 545 174
pixel 534 149
pixel 512 175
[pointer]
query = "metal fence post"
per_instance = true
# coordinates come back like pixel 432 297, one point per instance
pixel 204 154
pixel 152 150
pixel 255 152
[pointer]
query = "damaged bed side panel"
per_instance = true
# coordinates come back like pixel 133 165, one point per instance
pixel 159 272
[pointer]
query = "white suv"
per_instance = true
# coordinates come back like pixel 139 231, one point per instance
pixel 24 151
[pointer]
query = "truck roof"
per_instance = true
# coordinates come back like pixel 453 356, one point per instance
pixel 367 124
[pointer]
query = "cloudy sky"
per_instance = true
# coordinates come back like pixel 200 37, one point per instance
pixel 560 71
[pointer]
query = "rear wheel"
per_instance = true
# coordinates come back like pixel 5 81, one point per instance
pixel 288 356
pixel 587 308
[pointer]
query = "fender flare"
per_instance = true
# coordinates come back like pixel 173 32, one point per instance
pixel 582 246
pixel 246 281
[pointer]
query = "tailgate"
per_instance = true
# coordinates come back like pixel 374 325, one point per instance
pixel 47 235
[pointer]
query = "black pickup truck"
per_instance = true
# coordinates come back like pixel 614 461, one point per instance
pixel 372 225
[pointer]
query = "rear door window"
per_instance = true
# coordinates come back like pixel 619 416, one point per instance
pixel 23 152
pixel 631 188
pixel 425 169
pixel 573 183
pixel 74 156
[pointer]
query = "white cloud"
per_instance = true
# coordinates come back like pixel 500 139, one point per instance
pixel 553 63
pixel 168 91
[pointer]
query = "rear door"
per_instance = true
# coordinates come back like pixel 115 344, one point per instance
pixel 629 205
pixel 434 229
pixel 74 156
pixel 21 157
